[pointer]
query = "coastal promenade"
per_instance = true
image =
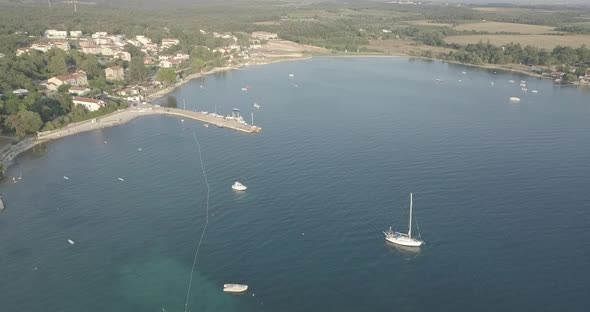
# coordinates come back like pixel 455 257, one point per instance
pixel 126 115
pixel 10 152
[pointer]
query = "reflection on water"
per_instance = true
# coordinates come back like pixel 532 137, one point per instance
pixel 406 250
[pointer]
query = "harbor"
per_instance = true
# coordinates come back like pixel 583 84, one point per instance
pixel 233 121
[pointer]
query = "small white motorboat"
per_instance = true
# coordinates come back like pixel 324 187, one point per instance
pixel 235 288
pixel 535 91
pixel 514 99
pixel 291 75
pixel 511 81
pixel 491 83
pixel 237 186
pixel 71 242
pixel 206 125
pixel 460 81
pixel 256 105
pixel 121 179
pixel 66 178
pixel 464 73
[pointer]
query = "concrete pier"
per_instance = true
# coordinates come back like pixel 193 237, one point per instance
pixel 210 118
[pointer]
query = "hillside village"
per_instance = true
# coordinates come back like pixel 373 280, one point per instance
pixel 112 53
pixel 70 76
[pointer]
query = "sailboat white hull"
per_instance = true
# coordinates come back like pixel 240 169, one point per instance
pixel 404 241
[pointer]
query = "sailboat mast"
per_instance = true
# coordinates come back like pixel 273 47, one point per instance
pixel 410 226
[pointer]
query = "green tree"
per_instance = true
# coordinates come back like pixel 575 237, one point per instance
pixel 92 67
pixel 197 64
pixel 167 76
pixel 24 122
pixel 12 104
pixel 57 64
pixel 48 108
pixel 63 88
pixel 569 78
pixel 137 71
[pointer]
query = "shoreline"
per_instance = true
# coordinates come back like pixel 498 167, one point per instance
pixel 9 153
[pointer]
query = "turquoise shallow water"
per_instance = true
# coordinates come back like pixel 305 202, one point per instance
pixel 500 192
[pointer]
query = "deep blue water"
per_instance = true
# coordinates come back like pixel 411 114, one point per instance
pixel 501 196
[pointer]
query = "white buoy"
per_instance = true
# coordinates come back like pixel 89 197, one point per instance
pixel 71 242
pixel 121 179
pixel 66 178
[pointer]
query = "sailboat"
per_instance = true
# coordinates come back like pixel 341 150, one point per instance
pixel 404 239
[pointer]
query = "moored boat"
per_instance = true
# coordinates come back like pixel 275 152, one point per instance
pixel 235 288
pixel 404 239
pixel 237 186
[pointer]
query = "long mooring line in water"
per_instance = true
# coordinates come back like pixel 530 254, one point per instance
pixel 190 282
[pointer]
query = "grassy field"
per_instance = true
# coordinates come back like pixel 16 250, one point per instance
pixel 540 41
pixel 402 47
pixel 495 27
pixel 429 23
pixel 507 10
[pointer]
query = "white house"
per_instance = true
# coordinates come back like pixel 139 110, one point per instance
pixel 99 34
pixel 169 63
pixel 263 35
pixel 125 56
pixel 115 73
pixel 182 56
pixel 56 34
pixel 76 79
pixel 20 92
pixel 90 104
pixel 75 33
pixel 143 39
pixel 168 42
pixel 78 90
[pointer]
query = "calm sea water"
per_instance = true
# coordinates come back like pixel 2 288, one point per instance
pixel 501 196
